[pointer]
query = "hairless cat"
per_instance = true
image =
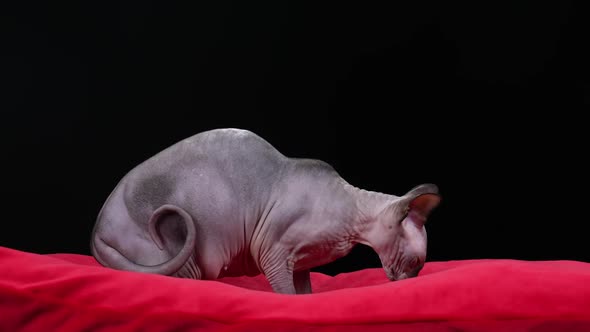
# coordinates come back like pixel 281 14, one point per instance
pixel 225 202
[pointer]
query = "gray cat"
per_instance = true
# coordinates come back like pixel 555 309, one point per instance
pixel 225 202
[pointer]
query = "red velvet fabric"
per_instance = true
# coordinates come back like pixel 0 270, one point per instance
pixel 67 292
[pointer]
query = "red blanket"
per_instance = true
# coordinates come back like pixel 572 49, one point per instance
pixel 67 292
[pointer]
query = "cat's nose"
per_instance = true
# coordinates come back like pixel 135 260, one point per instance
pixel 414 272
pixel 415 267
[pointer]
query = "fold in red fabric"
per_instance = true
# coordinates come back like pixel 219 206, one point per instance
pixel 69 292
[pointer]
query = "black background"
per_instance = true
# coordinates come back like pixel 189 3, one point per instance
pixel 482 98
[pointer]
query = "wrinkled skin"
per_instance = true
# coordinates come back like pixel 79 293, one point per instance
pixel 226 203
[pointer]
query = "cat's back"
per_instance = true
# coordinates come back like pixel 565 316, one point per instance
pixel 235 154
pixel 236 149
pixel 221 146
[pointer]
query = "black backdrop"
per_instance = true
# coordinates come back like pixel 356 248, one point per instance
pixel 481 98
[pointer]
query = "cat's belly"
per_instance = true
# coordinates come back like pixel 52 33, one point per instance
pixel 243 265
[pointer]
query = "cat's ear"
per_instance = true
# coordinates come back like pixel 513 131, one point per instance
pixel 420 201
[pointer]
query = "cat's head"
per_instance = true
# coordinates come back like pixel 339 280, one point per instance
pixel 398 233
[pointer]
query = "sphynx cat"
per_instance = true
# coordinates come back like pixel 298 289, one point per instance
pixel 225 202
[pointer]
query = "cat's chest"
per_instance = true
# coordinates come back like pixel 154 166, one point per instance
pixel 322 252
